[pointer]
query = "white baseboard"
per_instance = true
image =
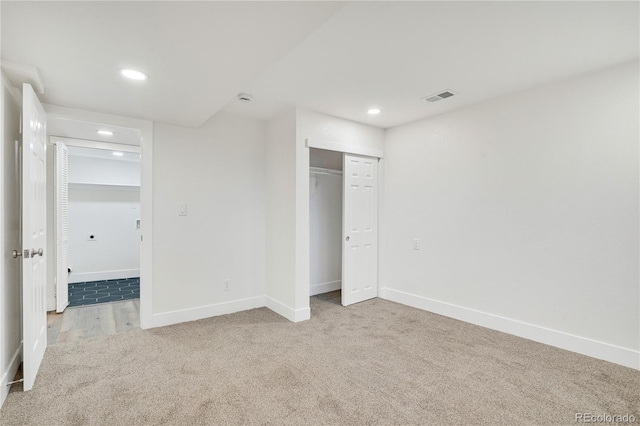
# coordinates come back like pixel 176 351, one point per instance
pixel 570 342
pixel 193 314
pixel 325 287
pixel 103 275
pixel 8 375
pixel 293 315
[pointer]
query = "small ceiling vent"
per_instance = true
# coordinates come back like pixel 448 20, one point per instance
pixel 440 96
pixel 244 97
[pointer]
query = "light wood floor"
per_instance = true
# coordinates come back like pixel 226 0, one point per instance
pixel 83 322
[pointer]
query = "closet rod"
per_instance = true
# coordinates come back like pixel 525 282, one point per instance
pixel 321 171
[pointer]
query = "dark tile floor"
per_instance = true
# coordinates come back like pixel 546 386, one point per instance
pixel 93 292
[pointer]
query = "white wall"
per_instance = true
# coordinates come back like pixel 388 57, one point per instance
pixel 313 125
pixel 218 171
pixel 104 201
pixel 10 289
pixel 325 159
pixel 110 216
pixel 288 231
pixel 526 208
pixel 280 223
pixel 101 171
pixel 325 227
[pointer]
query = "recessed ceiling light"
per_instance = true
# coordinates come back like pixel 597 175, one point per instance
pixel 117 153
pixel 134 75
pixel 373 111
pixel 105 132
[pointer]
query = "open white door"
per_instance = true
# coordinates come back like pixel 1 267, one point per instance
pixel 360 229
pixel 34 235
pixel 62 229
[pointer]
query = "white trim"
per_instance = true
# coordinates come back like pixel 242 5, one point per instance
pixel 87 143
pixel 146 223
pixel 4 390
pixel 146 191
pixel 293 315
pixel 559 339
pixel 60 225
pixel 316 289
pixel 344 147
pixel 16 95
pixel 201 312
pixel 81 277
pixel 7 376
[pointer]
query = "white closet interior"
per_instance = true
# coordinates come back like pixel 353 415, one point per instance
pixel 325 221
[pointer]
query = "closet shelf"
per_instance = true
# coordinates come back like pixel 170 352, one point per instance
pixel 103 186
pixel 322 171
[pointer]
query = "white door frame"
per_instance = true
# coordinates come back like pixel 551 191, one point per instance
pixel 146 190
pixel 346 148
pixel 60 224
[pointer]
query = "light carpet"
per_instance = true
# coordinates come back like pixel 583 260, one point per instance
pixel 376 362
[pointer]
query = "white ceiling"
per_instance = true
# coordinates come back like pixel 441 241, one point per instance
pixel 336 59
pixel 391 54
pixel 197 54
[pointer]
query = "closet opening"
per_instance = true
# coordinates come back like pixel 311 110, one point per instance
pixel 343 222
pixel 325 222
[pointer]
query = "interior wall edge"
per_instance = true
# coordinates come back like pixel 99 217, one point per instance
pixel 584 346
pixel 293 315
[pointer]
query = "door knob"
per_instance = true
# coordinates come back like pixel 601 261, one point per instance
pixel 39 252
pixel 16 253
pixel 347 238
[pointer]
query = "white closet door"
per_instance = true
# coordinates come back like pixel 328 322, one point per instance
pixel 62 226
pixel 360 229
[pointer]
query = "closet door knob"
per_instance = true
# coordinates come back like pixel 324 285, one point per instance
pixel 347 238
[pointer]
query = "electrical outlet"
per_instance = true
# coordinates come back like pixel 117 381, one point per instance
pixel 227 285
pixel 416 244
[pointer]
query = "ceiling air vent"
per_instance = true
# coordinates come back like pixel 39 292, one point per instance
pixel 440 96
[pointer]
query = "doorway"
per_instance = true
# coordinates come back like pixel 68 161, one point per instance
pixel 325 221
pixel 103 208
pixel 86 129
pixel 97 239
